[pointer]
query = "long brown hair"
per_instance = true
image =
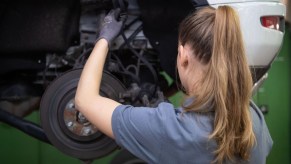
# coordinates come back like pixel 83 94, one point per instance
pixel 215 38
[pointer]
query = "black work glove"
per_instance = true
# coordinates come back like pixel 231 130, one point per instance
pixel 111 26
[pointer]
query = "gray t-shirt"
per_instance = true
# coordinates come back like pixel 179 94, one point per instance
pixel 166 135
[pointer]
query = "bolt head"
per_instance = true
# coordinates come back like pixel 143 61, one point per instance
pixel 70 124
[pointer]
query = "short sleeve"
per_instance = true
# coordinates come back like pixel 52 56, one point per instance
pixel 264 141
pixel 141 129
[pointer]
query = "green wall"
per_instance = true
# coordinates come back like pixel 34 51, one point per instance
pixel 275 94
pixel 17 147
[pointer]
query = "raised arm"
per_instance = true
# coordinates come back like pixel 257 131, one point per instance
pixel 97 109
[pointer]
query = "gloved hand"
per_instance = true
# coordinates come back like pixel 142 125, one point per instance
pixel 111 26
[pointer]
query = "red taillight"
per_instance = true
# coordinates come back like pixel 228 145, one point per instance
pixel 272 22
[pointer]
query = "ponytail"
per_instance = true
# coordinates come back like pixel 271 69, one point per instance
pixel 227 84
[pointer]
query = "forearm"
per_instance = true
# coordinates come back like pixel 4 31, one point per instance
pixel 89 84
pixel 97 109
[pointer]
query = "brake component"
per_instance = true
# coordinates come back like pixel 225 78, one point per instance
pixel 66 128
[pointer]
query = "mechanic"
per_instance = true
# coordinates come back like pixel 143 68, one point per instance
pixel 215 123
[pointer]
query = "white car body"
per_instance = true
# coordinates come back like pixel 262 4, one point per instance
pixel 261 44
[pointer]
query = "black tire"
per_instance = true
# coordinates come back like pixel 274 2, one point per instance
pixel 52 112
pixel 125 157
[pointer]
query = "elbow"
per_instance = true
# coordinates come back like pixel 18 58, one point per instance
pixel 81 99
pixel 83 103
pixel 79 103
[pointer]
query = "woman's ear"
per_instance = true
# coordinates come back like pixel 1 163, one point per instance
pixel 183 56
pixel 180 49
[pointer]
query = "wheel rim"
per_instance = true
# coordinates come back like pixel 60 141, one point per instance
pixel 67 129
pixel 74 124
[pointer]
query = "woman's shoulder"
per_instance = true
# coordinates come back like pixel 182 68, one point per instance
pixel 258 118
pixel 264 141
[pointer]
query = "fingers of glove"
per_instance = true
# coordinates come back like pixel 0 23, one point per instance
pixel 120 22
pixel 111 13
pixel 114 13
pixel 123 17
pixel 111 26
pixel 108 19
pixel 117 14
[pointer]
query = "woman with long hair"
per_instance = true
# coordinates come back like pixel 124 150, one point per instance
pixel 215 123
